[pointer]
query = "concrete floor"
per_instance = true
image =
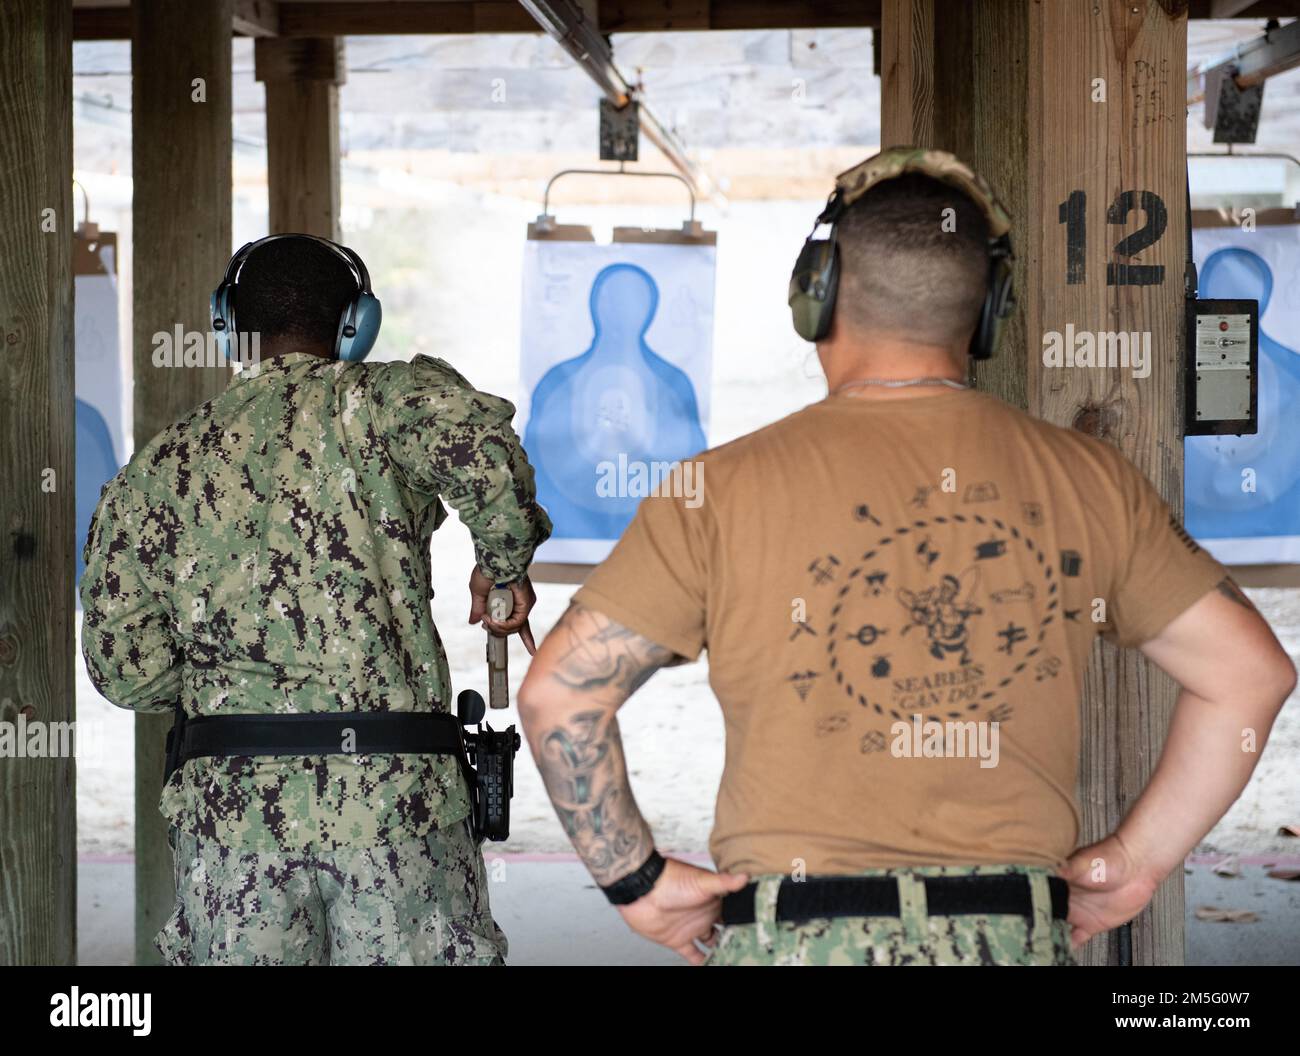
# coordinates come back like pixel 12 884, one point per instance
pixel 1274 939
pixel 553 915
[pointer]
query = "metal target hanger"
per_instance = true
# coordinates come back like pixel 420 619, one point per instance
pixel 88 240
pixel 546 226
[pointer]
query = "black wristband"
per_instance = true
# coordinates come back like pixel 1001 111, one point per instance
pixel 638 884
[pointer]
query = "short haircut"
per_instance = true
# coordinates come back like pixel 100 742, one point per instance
pixel 904 270
pixel 293 288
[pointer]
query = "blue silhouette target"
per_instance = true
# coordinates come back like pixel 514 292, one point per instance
pixel 1243 492
pixel 605 425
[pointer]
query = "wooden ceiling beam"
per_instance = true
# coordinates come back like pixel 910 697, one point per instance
pixel 1229 8
pixel 94 20
pixel 625 16
pixel 256 18
pixel 375 17
pixel 337 18
pixel 101 23
pixel 252 18
pixel 357 17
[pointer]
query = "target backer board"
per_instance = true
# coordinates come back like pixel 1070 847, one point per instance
pixel 615 377
pixel 1242 493
pixel 100 377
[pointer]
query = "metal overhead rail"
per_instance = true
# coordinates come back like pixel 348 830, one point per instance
pixel 568 24
pixel 1253 62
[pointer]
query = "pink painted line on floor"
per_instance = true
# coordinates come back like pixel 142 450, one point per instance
pixel 1289 861
pixel 509 856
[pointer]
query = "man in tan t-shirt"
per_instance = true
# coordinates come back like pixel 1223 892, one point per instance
pixel 899 587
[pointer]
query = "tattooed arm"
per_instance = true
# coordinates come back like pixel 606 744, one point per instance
pixel 587 667
pixel 1234 677
pixel 1227 586
pixel 584 671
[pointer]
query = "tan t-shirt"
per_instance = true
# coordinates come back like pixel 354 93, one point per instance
pixel 879 583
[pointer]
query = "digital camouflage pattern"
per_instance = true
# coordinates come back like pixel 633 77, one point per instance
pixel 269 553
pixel 912 938
pixel 895 161
pixel 416 902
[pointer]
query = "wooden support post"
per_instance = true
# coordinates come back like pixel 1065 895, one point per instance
pixel 906 72
pixel 1076 112
pixel 181 162
pixel 38 813
pixel 302 76
pixel 928 103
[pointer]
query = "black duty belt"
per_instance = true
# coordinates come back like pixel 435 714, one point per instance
pixel 348 733
pixel 877 896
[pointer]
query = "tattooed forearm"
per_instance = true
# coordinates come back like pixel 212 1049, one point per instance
pixel 587 667
pixel 582 765
pixel 602 657
pixel 1232 592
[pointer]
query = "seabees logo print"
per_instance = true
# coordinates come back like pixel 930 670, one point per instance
pixel 938 616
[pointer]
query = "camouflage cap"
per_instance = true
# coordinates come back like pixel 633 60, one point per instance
pixel 939 164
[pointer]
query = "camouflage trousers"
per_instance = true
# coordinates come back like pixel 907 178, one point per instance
pixel 913 937
pixel 420 902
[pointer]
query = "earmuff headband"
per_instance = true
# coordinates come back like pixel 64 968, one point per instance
pixel 349 257
pixel 815 278
pixel 358 323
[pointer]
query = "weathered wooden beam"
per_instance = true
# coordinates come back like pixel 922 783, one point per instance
pixel 1229 8
pixel 38 813
pixel 299 59
pixel 358 17
pixel 250 18
pixel 101 23
pixel 1136 141
pixel 256 18
pixel 380 17
pixel 622 16
pixel 1048 101
pixel 331 18
pixel 181 167
pixel 907 71
pixel 302 76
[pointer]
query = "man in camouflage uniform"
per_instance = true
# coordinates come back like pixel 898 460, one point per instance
pixel 269 554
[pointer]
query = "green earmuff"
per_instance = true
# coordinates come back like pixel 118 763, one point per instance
pixel 815 279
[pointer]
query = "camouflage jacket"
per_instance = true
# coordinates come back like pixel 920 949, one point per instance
pixel 269 553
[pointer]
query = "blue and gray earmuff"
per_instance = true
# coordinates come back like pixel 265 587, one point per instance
pixel 816 276
pixel 358 324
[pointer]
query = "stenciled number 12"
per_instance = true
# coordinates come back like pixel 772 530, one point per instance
pixel 1073 214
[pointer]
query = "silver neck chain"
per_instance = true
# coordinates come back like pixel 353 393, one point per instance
pixel 890 383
